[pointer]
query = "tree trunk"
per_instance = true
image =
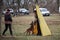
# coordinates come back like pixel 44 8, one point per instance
pixel 8 3
pixel 18 1
pixel 58 6
pixel 1 3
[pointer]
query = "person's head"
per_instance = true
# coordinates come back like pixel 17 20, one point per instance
pixel 8 11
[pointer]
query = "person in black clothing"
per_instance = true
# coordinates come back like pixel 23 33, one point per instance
pixel 8 22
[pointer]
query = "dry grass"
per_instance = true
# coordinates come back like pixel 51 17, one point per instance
pixel 21 23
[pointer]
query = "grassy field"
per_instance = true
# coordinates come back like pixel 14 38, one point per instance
pixel 21 23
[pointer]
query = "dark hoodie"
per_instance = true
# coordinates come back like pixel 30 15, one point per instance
pixel 8 17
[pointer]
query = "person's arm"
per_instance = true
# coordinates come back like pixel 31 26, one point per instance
pixel 5 19
pixel 10 18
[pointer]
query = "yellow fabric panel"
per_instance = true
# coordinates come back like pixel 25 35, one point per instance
pixel 43 26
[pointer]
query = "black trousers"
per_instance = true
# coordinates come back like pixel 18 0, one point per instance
pixel 6 27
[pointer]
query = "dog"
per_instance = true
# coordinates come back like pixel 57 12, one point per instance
pixel 30 31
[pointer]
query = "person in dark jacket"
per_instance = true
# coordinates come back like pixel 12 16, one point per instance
pixel 8 22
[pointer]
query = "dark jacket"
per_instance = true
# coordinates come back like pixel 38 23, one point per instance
pixel 8 18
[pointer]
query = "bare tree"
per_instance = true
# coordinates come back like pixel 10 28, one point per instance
pixel 57 5
pixel 8 3
pixel 26 4
pixel 1 3
pixel 18 1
